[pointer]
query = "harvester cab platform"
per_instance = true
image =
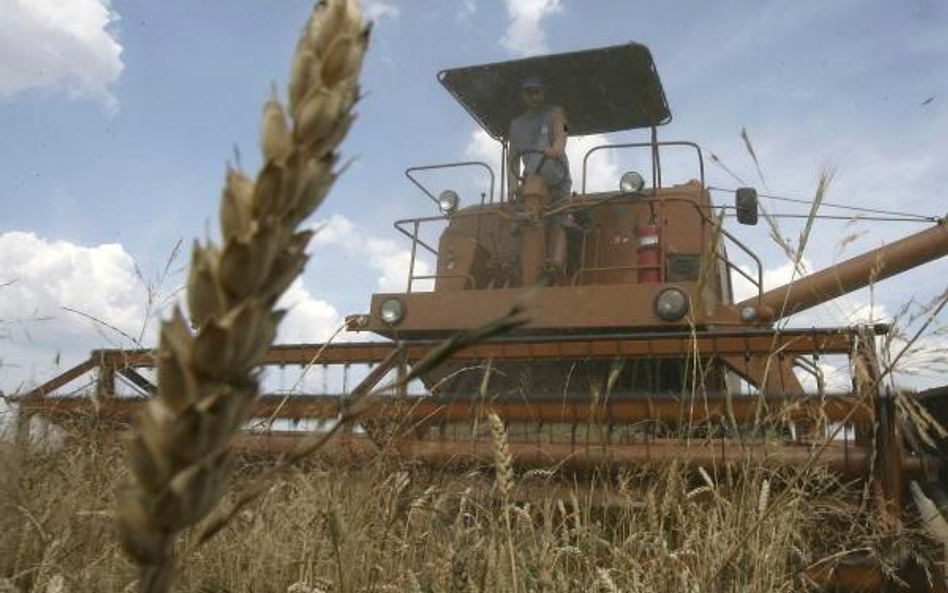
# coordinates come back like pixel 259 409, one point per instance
pixel 642 256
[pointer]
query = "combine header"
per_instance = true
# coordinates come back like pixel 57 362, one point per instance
pixel 635 349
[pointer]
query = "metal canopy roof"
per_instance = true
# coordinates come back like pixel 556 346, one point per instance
pixel 602 90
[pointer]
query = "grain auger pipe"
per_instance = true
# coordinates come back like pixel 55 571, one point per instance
pixel 855 273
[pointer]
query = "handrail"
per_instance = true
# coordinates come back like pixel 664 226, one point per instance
pixel 414 236
pixel 431 196
pixel 657 145
pixel 415 242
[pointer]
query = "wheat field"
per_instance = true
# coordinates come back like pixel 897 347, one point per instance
pixel 389 527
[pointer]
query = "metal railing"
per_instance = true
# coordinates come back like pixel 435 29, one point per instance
pixel 459 164
pixel 656 171
pixel 414 233
pixel 415 242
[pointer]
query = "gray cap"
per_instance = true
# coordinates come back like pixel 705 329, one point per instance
pixel 531 81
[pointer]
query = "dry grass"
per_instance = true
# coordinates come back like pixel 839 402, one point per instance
pixel 383 527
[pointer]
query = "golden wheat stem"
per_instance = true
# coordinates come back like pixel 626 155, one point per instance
pixel 503 462
pixel 207 381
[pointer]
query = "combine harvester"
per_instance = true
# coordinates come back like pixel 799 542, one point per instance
pixel 635 351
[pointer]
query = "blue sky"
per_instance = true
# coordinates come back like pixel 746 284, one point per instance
pixel 117 119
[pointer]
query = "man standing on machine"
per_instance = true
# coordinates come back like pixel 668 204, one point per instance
pixel 537 140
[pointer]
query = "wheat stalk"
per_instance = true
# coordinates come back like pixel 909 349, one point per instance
pixel 764 497
pixel 503 462
pixel 207 379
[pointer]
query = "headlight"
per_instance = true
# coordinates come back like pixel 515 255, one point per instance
pixel 392 310
pixel 749 314
pixel 631 182
pixel 448 201
pixel 357 321
pixel 671 304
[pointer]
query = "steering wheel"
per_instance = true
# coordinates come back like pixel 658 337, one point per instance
pixel 564 172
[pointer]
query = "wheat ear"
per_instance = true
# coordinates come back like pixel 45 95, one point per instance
pixel 503 461
pixel 207 378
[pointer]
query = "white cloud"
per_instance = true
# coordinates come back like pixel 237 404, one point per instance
pixel 603 166
pixel 376 10
pixel 385 256
pixel 42 277
pixel 39 338
pixel 525 34
pixel 308 319
pixel 59 44
pixel 602 172
pixel 481 147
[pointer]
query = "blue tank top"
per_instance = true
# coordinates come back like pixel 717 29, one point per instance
pixel 534 131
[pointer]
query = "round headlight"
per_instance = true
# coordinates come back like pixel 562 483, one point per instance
pixel 392 310
pixel 671 304
pixel 631 182
pixel 749 314
pixel 448 201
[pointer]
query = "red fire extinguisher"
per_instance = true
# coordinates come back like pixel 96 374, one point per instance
pixel 648 253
